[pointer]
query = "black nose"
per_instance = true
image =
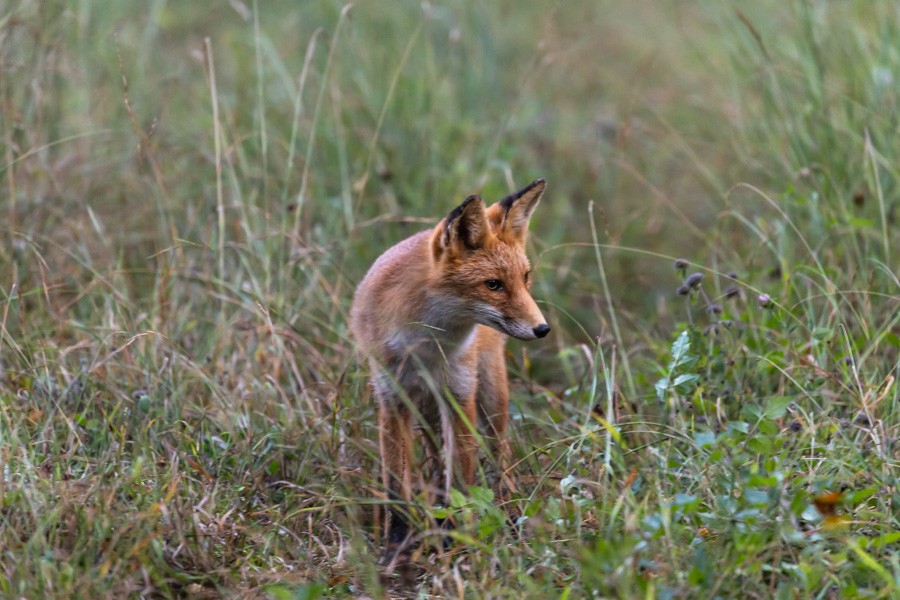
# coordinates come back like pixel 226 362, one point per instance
pixel 542 330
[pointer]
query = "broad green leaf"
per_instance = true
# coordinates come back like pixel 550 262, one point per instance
pixel 457 499
pixel 682 499
pixel 777 406
pixel 685 379
pixel 679 350
pixel 862 495
pixel 481 495
pixel 761 444
pixel 888 538
pixel 739 426
pixel 756 496
pixel 661 386
pixel 768 426
pixel 705 438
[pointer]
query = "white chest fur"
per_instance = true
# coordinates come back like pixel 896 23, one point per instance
pixel 431 356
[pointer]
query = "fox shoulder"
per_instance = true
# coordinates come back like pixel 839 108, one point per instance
pixel 387 292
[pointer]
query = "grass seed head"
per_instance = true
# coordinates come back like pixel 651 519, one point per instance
pixel 694 280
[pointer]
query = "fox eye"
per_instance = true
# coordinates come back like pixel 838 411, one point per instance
pixel 495 285
pixel 527 276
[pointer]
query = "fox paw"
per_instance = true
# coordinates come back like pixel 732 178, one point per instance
pixel 397 557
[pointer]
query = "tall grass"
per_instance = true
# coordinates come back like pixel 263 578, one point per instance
pixel 191 193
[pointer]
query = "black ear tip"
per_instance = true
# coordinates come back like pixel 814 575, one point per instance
pixel 507 202
pixel 474 198
pixel 540 183
pixel 459 209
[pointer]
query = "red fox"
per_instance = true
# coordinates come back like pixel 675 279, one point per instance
pixel 432 316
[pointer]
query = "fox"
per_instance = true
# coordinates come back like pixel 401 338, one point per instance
pixel 432 317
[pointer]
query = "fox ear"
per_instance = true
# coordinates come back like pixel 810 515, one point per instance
pixel 466 228
pixel 515 210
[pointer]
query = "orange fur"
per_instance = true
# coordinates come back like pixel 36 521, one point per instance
pixel 431 320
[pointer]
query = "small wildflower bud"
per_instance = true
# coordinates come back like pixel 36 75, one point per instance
pixel 714 309
pixel 683 290
pixel 681 264
pixel 727 323
pixel 795 426
pixel 711 329
pixel 733 292
pixel 765 301
pixel 694 280
pixel 732 275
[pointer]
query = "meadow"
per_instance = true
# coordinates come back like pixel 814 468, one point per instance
pixel 190 192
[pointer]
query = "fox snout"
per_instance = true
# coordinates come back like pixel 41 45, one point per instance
pixel 526 333
pixel 533 320
pixel 527 327
pixel 516 323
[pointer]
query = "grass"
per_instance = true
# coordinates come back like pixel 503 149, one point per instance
pixel 192 191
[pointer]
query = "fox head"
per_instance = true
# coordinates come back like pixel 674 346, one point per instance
pixel 481 267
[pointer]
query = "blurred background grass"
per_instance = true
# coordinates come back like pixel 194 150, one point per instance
pixel 192 190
